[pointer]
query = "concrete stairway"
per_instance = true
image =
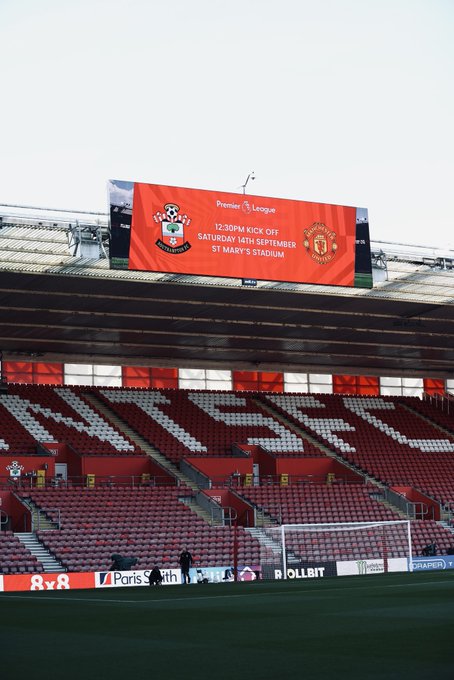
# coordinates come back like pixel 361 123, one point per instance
pixel 50 564
pixel 195 507
pixel 40 521
pixel 265 540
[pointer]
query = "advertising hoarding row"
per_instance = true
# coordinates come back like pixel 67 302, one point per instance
pixel 210 233
pixel 171 577
pixel 121 579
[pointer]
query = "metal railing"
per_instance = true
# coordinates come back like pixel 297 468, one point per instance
pixel 444 402
pixel 229 516
pixel 411 509
pixel 202 480
pixel 87 481
pixel 4 520
pixel 448 508
pixel 42 518
pixel 237 481
pixel 211 506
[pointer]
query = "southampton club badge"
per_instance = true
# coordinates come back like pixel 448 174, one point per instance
pixel 15 469
pixel 172 229
pixel 320 243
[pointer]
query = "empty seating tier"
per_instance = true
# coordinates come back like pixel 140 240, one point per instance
pixel 379 436
pixel 32 414
pixel 15 558
pixel 181 423
pixel 151 524
pixel 317 503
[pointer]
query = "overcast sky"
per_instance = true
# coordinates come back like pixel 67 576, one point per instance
pixel 340 101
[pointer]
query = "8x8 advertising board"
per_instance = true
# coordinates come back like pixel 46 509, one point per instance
pixel 210 233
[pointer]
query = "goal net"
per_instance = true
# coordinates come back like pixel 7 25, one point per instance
pixel 318 550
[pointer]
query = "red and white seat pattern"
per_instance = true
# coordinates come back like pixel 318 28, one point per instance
pixel 379 436
pixel 47 414
pixel 182 423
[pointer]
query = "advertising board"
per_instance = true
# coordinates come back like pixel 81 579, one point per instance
pixel 363 567
pixel 224 574
pixel 210 233
pixel 172 577
pixel 432 563
pixel 61 581
pixel 122 579
pixel 304 570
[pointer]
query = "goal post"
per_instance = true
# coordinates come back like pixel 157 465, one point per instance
pixel 335 549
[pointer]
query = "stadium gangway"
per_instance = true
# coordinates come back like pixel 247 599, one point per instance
pixel 411 509
pixel 40 518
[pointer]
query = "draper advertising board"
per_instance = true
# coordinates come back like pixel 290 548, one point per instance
pixel 210 233
pixel 431 563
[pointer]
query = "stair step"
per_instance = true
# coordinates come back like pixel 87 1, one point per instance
pixel 36 548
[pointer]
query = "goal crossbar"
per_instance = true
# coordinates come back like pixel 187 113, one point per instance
pixel 338 527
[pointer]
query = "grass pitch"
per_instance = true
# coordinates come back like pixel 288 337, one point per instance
pixel 394 626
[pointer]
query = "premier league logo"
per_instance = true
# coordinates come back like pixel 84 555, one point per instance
pixel 172 229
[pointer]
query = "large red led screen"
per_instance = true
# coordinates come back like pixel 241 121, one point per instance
pixel 193 231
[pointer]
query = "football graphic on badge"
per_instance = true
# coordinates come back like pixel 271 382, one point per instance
pixel 320 243
pixel 172 229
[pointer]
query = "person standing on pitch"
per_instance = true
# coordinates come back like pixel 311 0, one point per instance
pixel 185 564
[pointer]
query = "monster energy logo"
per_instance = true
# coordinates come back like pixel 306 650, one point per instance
pixel 370 567
pixel 362 566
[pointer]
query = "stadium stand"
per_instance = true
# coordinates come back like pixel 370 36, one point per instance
pixel 374 426
pixel 379 436
pixel 181 423
pixel 41 413
pixel 312 503
pixel 15 558
pixel 439 411
pixel 152 524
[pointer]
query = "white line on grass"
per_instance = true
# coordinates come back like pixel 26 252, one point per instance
pixel 221 597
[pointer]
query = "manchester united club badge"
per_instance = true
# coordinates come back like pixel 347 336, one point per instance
pixel 320 243
pixel 172 229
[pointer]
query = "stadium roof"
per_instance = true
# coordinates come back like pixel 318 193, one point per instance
pixel 58 306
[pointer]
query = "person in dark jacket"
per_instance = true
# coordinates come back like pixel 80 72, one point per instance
pixel 185 564
pixel 120 563
pixel 155 578
pixel 430 550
